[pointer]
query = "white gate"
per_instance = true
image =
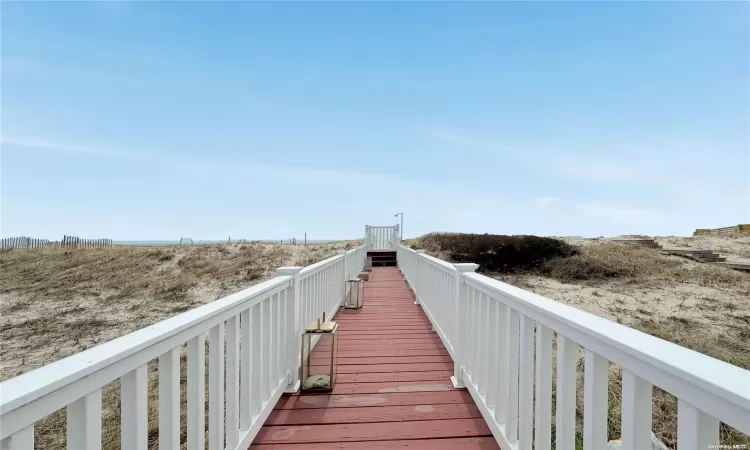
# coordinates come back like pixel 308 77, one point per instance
pixel 381 238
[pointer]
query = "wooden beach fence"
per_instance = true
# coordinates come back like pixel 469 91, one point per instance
pixel 77 242
pixel 23 242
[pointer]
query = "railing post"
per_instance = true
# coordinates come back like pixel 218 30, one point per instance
pixel 294 327
pixel 396 236
pixel 458 346
pixel 367 237
pixel 416 283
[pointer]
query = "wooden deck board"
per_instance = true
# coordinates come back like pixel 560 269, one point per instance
pixel 482 443
pixel 394 399
pixel 374 431
pixel 393 389
pixel 367 414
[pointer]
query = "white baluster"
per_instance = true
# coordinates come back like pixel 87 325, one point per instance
pixel 502 356
pixel 565 415
pixel 265 382
pixel 460 313
pixel 85 422
pixel 169 400
pixel 595 401
pixel 482 327
pixel 696 430
pixel 196 392
pixel 293 326
pixel 233 382
pixel 134 409
pixel 636 412
pixel 492 354
pixel 216 388
pixel 543 397
pixel 22 440
pixel 511 410
pixel 273 303
pixel 280 338
pixel 526 389
pixel 256 358
pixel 245 389
pixel 471 336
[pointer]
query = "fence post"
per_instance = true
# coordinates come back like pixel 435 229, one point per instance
pixel 458 316
pixel 417 284
pixel 367 237
pixel 396 236
pixel 294 327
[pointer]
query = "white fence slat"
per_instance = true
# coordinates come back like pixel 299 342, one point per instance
pixel 245 349
pixel 482 325
pixel 256 359
pixel 233 382
pixel 565 414
pixel 196 392
pixel 216 387
pixel 501 403
pixel 470 335
pixel 265 372
pixel 273 331
pixel 134 412
pixel 279 336
pixel 543 389
pixel 85 422
pixel 595 396
pixel 169 400
pixel 492 356
pixel 22 440
pixel 636 412
pixel 511 410
pixel 526 389
pixel 696 430
pixel 283 334
pixel 321 302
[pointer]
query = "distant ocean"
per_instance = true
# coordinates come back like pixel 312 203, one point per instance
pixel 223 241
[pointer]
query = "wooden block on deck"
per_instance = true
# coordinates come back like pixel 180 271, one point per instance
pixel 364 276
pixel 325 327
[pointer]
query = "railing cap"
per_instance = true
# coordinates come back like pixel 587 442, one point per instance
pixel 466 267
pixel 289 270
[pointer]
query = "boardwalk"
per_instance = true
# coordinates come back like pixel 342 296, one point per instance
pixel 393 389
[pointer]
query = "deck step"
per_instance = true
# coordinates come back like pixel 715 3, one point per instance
pixel 382 258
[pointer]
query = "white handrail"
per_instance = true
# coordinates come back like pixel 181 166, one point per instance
pixel 500 338
pixel 263 325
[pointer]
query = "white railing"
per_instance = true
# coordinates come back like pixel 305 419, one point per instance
pixel 253 357
pixel 500 338
pixel 382 238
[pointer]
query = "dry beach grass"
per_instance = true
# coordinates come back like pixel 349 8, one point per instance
pixel 704 307
pixel 56 302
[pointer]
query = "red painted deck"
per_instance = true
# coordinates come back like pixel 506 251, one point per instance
pixel 393 389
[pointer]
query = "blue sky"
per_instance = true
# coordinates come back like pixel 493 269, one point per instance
pixel 155 120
